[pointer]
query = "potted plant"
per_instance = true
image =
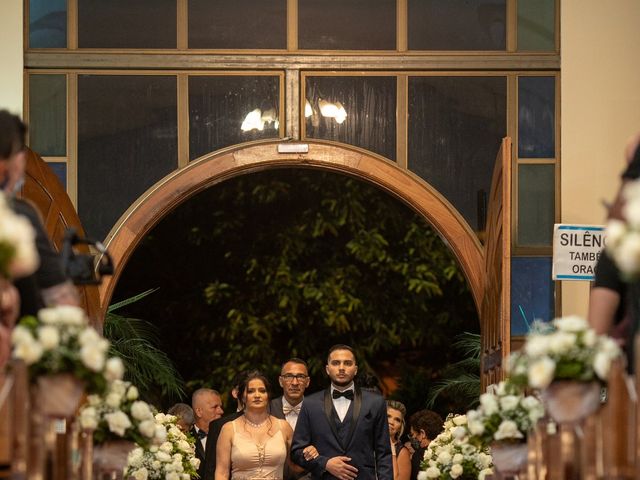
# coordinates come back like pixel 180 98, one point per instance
pixel 118 420
pixel 452 456
pixel 568 362
pixel 65 357
pixel 173 459
pixel 503 421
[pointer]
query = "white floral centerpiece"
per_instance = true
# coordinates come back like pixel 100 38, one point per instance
pixel 120 414
pixel 504 415
pixel 623 236
pixel 18 254
pixel 60 341
pixel 173 459
pixel 451 456
pixel 566 349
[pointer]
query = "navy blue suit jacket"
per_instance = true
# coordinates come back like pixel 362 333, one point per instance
pixel 366 440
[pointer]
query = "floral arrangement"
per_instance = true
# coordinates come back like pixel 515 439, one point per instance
pixel 450 455
pixel 18 254
pixel 623 236
pixel 566 349
pixel 61 341
pixel 173 459
pixel 119 414
pixel 504 415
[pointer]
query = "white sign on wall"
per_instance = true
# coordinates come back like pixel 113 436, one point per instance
pixel 576 250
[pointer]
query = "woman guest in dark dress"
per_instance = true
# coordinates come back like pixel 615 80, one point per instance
pixel 401 457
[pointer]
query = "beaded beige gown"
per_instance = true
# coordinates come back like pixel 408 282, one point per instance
pixel 251 460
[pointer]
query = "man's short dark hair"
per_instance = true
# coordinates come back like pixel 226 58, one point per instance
pixel 427 420
pixel 297 360
pixel 341 346
pixel 12 134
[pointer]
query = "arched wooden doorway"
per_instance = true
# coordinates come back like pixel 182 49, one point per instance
pixel 218 166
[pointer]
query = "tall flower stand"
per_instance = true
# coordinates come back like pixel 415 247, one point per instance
pixel 509 458
pixel 570 402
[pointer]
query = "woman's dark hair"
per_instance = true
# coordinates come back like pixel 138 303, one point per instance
pixel 427 420
pixel 254 375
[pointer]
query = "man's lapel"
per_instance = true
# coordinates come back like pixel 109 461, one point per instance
pixel 328 411
pixel 357 406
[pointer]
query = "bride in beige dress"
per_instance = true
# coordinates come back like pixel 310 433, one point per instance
pixel 256 444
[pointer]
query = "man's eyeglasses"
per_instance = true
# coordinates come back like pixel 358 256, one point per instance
pixel 288 377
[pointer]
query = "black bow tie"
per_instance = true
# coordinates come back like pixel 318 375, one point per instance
pixel 348 394
pixel 200 434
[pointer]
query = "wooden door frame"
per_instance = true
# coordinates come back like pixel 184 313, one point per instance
pixel 221 165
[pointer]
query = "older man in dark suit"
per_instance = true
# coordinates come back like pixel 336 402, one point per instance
pixel 294 380
pixel 347 426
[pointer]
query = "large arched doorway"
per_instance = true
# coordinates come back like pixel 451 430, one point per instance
pixel 218 166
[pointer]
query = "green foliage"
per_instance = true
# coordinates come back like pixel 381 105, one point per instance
pixel 289 262
pixel 461 380
pixel 136 342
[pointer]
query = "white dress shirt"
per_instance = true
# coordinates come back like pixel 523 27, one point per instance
pixel 341 404
pixel 202 440
pixel 292 416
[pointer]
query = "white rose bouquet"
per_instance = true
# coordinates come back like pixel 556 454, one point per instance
pixel 450 455
pixel 18 253
pixel 120 414
pixel 173 459
pixel 505 415
pixel 566 349
pixel 61 341
pixel 623 236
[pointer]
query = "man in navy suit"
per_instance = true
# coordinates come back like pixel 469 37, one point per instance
pixel 346 425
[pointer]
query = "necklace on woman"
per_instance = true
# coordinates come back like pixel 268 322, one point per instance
pixel 255 425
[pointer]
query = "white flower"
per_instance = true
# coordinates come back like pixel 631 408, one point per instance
pixel 571 323
pixel 488 403
pixel 113 400
pixel 119 387
pixel 92 356
pixel 432 472
pixel 507 429
pixel 140 411
pixel 422 475
pixel 476 427
pixel 509 402
pixel 172 476
pixel 560 341
pixel 114 369
pixel 132 393
pixel 141 474
pixel 195 462
pixel 536 346
pixel 135 457
pixel 484 459
pixel 602 365
pixel 88 336
pixel 49 337
pixel 609 347
pixel 147 428
pixel 89 418
pixel 166 447
pixel 48 315
pixel 459 432
pixel 627 255
pixel 160 433
pixel 20 335
pixel 427 454
pixel 460 419
pixel 484 473
pixel 631 210
pixel 118 422
pixel 456 470
pixel 541 372
pixel 444 458
pixel 184 445
pixel 29 351
pixel 163 456
pixel 457 458
pixel 589 338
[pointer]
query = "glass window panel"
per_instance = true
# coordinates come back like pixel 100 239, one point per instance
pixel 347 24
pixel 48 114
pixel 60 169
pixel 457 24
pixel 532 292
pixel 455 128
pixel 536 25
pixel 359 111
pixel 47 23
pixel 127 24
pixel 536 117
pixel 127 140
pixel 237 24
pixel 536 204
pixel 228 110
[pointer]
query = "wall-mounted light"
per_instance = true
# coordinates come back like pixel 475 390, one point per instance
pixel 253 121
pixel 332 110
pixel 308 111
